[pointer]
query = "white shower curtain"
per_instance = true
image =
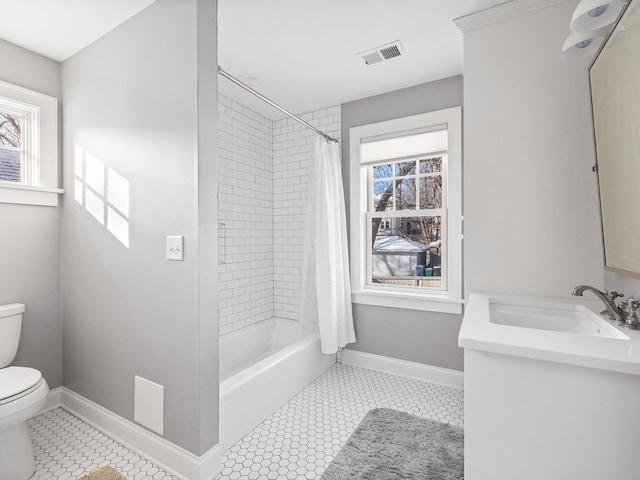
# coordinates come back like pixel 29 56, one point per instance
pixel 327 289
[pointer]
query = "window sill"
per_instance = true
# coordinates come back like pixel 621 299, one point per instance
pixel 29 194
pixel 410 301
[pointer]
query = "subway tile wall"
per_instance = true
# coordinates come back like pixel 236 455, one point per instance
pixel 293 157
pixel 245 216
pixel 265 170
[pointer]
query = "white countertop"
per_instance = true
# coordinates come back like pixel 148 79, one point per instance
pixel 479 333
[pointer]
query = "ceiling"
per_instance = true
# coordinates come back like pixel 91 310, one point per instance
pixel 300 53
pixel 59 28
pixel 304 51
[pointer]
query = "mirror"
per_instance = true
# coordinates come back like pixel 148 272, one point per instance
pixel 615 95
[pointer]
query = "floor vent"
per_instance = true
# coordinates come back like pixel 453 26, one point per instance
pixel 380 54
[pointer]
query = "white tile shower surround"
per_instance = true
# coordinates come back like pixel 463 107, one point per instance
pixel 293 157
pixel 245 209
pixel 296 442
pixel 66 448
pixel 264 182
pixel 302 438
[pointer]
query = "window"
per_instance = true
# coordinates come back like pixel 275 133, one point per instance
pixel 28 146
pixel 17 146
pixel 406 206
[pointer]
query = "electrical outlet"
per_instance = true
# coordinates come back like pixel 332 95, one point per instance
pixel 175 247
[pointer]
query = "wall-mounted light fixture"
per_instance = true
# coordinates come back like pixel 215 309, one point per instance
pixel 595 14
pixel 591 23
pixel 580 44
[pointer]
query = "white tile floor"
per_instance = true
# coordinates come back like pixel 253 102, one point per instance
pixel 296 442
pixel 66 448
pixel 301 439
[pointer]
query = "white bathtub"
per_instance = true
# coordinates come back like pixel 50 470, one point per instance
pixel 261 368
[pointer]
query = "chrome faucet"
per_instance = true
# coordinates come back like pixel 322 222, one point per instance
pixel 608 299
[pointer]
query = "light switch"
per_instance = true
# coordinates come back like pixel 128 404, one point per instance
pixel 175 247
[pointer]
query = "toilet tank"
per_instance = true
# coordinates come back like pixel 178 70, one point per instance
pixel 10 324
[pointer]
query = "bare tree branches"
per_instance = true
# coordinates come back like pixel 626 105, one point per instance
pixel 411 196
pixel 384 200
pixel 10 130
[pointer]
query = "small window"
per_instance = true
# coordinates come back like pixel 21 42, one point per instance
pixel 28 147
pixel 18 145
pixel 406 212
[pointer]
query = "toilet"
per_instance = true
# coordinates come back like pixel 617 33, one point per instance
pixel 23 392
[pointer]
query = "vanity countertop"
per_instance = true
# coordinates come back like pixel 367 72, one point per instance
pixel 478 332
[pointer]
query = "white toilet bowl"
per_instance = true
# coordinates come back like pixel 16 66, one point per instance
pixel 23 392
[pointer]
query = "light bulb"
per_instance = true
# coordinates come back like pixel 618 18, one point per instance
pixel 599 10
pixel 584 43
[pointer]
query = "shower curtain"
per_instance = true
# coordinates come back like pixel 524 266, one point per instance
pixel 327 288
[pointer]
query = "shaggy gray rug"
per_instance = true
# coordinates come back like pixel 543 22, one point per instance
pixel 392 445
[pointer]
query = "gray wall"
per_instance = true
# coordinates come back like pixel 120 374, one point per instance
pixel 29 70
pixel 208 299
pixel 133 102
pixel 629 286
pixel 30 240
pixel 412 335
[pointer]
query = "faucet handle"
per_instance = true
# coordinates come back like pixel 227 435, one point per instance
pixel 612 294
pixel 629 307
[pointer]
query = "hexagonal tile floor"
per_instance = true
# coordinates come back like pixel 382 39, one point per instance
pixel 296 442
pixel 66 448
pixel 300 440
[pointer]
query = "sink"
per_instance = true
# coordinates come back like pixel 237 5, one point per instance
pixel 566 330
pixel 560 317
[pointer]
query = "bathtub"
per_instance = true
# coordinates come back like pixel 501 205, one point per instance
pixel 261 368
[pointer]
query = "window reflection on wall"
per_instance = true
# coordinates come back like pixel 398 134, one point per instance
pixel 103 192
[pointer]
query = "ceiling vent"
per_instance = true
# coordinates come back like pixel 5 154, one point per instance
pixel 380 54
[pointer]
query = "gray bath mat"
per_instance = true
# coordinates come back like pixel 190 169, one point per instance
pixel 392 445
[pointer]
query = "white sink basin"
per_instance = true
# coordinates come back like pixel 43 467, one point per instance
pixel 562 330
pixel 567 318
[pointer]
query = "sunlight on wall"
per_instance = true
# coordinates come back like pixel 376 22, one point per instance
pixel 94 205
pixel 90 185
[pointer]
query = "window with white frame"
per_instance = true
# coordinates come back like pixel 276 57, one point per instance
pixel 406 206
pixel 28 146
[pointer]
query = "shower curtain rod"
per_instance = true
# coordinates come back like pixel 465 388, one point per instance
pixel 228 76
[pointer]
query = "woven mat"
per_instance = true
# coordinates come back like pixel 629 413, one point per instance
pixel 104 473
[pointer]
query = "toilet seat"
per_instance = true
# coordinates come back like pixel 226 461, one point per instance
pixel 16 382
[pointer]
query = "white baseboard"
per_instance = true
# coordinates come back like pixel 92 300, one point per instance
pixel 175 460
pixel 420 371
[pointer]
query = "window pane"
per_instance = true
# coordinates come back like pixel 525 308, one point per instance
pixel 408 252
pixel 431 192
pixel 10 130
pixel 383 171
pixel 431 165
pixel 405 168
pixel 406 194
pixel 382 195
pixel 10 167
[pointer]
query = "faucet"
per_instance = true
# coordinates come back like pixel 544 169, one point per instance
pixel 608 299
